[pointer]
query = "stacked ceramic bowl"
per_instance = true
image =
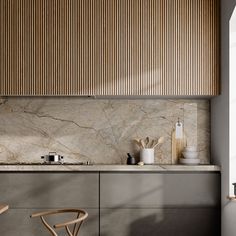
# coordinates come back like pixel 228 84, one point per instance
pixel 190 155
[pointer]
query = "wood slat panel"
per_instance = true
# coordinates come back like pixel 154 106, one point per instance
pixel 109 47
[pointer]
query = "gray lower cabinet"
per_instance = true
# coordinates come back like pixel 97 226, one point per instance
pixel 147 190
pixel 118 203
pixel 27 193
pixel 138 204
pixel 49 190
pixel 17 222
pixel 160 222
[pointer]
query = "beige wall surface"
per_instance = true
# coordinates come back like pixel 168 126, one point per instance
pixel 97 130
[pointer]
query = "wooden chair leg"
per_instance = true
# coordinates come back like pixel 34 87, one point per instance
pixel 48 227
pixel 68 231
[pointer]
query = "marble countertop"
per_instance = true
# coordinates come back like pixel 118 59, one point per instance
pixel 115 168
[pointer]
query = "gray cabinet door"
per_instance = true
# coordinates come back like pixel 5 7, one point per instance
pixel 27 193
pixel 147 190
pixel 154 204
pixel 49 190
pixel 160 222
pixel 17 222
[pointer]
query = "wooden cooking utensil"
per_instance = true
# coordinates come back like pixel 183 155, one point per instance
pixel 142 143
pixel 160 141
pixel 146 142
pixel 137 141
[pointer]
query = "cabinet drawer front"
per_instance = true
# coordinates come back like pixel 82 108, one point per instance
pixel 163 222
pixel 49 190
pixel 158 190
pixel 18 222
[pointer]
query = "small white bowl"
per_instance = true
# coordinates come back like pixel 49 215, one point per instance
pixel 189 161
pixel 190 155
pixel 190 149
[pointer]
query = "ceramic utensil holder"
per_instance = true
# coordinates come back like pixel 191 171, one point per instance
pixel 147 155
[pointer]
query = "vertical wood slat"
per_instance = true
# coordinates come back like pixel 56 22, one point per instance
pixel 109 47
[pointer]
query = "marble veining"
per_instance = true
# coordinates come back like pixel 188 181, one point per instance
pixel 97 130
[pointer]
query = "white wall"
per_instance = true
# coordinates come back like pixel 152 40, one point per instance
pixel 220 123
pixel 232 101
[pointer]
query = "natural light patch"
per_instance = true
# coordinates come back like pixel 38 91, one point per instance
pixel 232 101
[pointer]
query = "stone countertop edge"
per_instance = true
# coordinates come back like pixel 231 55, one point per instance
pixel 110 168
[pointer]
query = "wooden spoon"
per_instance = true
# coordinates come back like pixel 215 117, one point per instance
pixel 154 143
pixel 160 141
pixel 146 142
pixel 137 141
pixel 142 143
pixel 151 144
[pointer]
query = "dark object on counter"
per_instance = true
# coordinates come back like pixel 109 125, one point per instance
pixel 130 160
pixel 234 184
pixel 52 157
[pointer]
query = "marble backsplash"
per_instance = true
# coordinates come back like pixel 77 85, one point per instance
pixel 97 130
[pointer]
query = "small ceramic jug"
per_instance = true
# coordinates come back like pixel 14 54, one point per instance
pixel 147 155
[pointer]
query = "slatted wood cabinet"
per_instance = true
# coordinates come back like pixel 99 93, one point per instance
pixel 109 47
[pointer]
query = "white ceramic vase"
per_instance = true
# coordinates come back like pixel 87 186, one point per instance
pixel 147 155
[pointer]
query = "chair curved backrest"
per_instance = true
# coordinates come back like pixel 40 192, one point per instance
pixel 76 223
